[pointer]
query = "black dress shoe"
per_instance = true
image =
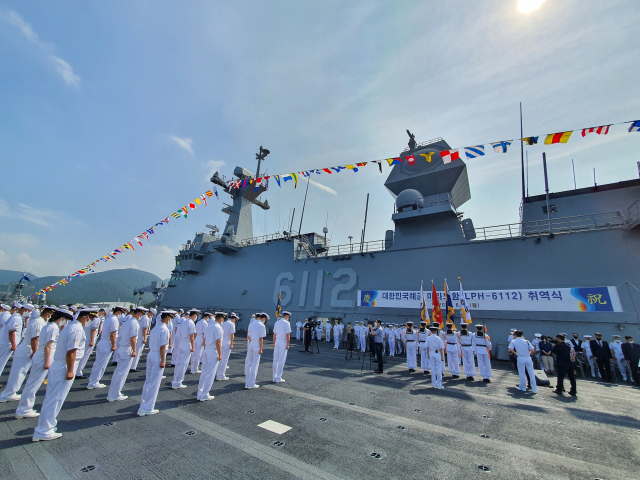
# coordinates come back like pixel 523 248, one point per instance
pixel 455 376
pixel 573 394
pixel 81 377
pixel 425 372
pixel 412 370
pixel 134 370
pixel 486 380
pixel 558 392
pixel 469 378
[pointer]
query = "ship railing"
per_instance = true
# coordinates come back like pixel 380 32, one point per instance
pixel 264 239
pixel 349 249
pixel 424 144
pixel 556 226
pixel 303 248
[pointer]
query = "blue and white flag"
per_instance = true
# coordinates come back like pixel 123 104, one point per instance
pixel 26 277
pixel 215 190
pixel 501 147
pixel 635 126
pixel 473 152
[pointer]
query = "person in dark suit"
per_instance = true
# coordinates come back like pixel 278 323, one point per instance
pixel 631 352
pixel 564 358
pixel 602 353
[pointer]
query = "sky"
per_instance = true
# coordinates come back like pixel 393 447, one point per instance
pixel 115 114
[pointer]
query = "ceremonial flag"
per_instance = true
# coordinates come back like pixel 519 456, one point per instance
pixel 266 183
pixel 603 130
pixel 451 314
pixel 126 245
pixel 449 156
pixel 138 240
pixel 635 126
pixel 394 161
pixel 25 277
pixel 215 190
pixel 530 140
pixel 209 193
pixel 501 147
pixel 423 307
pixel 258 183
pixel 361 164
pixel 204 199
pixel 305 174
pixel 328 170
pixel 427 156
pixel 291 176
pixel 174 215
pixel 561 137
pixel 465 313
pixel 411 159
pixel 279 306
pixel 150 231
pixel 436 313
pixel 277 177
pixel 192 206
pixel 351 167
pixel 145 235
pixel 473 152
pixel 337 169
pixel 379 164
pixel 243 184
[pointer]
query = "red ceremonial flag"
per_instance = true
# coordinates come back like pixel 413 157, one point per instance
pixel 327 170
pixel 560 137
pixel 411 159
pixel 436 313
pixel 192 206
pixel 603 130
pixel 449 156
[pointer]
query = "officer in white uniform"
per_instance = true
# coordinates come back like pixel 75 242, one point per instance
pixel 319 331
pixel 255 334
pixel 143 333
pixel 106 346
pixel 327 331
pixel 411 337
pixel 466 345
pixel 281 339
pixel 41 361
pixel 336 334
pixel 435 354
pixel 199 342
pixel 185 338
pixel 363 337
pixel 69 351
pixel 298 329
pixel 229 334
pixel 523 349
pixel 212 341
pixel 586 346
pixel 423 334
pixel 536 344
pixel 125 353
pixel 11 334
pixel 91 335
pixel 22 357
pixel 175 340
pixel 482 348
pixel 156 360
pixel 453 351
pixel 616 350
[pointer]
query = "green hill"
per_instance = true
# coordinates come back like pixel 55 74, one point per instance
pixel 110 286
pixel 8 276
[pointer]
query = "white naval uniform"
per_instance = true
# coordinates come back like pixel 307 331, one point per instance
pixel 158 337
pixel 70 338
pixel 281 329
pixel 198 348
pixel 144 322
pixel 536 344
pixel 298 329
pixel 21 361
pixel 435 345
pixel 103 350
pixel 337 333
pixel 228 329
pixel 212 333
pixel 184 330
pixel 88 349
pixel 392 342
pixel 172 337
pixel 468 362
pixel 363 338
pixel 256 331
pixel 586 346
pixel 12 324
pixel 128 330
pixel 453 352
pixel 411 339
pixel 482 347
pixel 617 349
pixel 523 348
pixel 48 333
pixel 327 332
pixel 424 359
pixel 319 331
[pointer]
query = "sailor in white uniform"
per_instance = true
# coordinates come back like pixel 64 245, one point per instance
pixel 212 342
pixel 255 334
pixel 185 339
pixel 468 361
pixel 125 353
pixel 423 334
pixel 281 339
pixel 22 357
pixel 42 360
pixel 319 331
pixel 69 351
pixel 156 361
pixel 616 349
pixel 143 333
pixel 411 338
pixel 327 331
pixel 298 329
pixel 10 334
pixel 175 340
pixel 106 346
pixel 453 350
pixel 363 337
pixel 91 335
pixel 336 335
pixel 229 334
pixel 435 353
pixel 482 348
pixel 523 349
pixel 199 342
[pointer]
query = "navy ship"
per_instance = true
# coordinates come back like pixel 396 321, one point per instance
pixel 570 265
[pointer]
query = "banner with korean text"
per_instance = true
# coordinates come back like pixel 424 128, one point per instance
pixel 585 299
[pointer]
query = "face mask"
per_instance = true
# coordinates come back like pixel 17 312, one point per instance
pixel 617 341
pixel 629 341
pixel 63 323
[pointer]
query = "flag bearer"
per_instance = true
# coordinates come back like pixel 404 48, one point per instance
pixel 453 351
pixel 125 353
pixel 69 351
pixel 229 333
pixel 212 342
pixel 106 346
pixel 143 333
pixel 156 360
pixel 199 342
pixel 435 353
pixel 411 338
pixel 42 360
pixel 423 333
pixel 468 362
pixel 482 348
pixel 255 333
pixel 281 339
pixel 523 349
pixel 91 334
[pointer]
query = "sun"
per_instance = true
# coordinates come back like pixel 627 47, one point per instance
pixel 528 6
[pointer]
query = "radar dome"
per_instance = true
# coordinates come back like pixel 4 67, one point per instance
pixel 409 199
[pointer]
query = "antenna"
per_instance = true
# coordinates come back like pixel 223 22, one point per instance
pixel 574 174
pixel 364 229
pixel 521 151
pixel 594 177
pixel 546 189
pixel 304 204
pixel 293 216
pixel 527 176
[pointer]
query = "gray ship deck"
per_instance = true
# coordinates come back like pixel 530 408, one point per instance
pixel 596 435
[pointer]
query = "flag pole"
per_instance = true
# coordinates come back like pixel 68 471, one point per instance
pixel 522 152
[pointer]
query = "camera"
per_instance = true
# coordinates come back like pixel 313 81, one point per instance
pixel 370 322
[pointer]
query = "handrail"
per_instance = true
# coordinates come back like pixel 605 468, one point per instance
pixel 424 144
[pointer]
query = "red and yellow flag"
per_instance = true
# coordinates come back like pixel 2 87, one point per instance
pixel 436 313
pixel 561 137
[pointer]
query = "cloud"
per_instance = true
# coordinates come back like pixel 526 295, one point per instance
pixel 61 66
pixel 42 217
pixel 323 187
pixel 212 166
pixel 185 143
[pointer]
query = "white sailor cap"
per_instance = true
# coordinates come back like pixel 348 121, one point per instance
pixel 462 324
pixel 87 311
pixel 66 313
pixel 264 315
pixel 5 307
pixel 28 306
pixel 140 309
pixel 286 313
pixel 538 335
pixel 168 312
pixel 588 336
pixel 233 315
pixel 513 329
pixel 224 314
pixel 180 310
pixel 119 307
pixel 616 336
